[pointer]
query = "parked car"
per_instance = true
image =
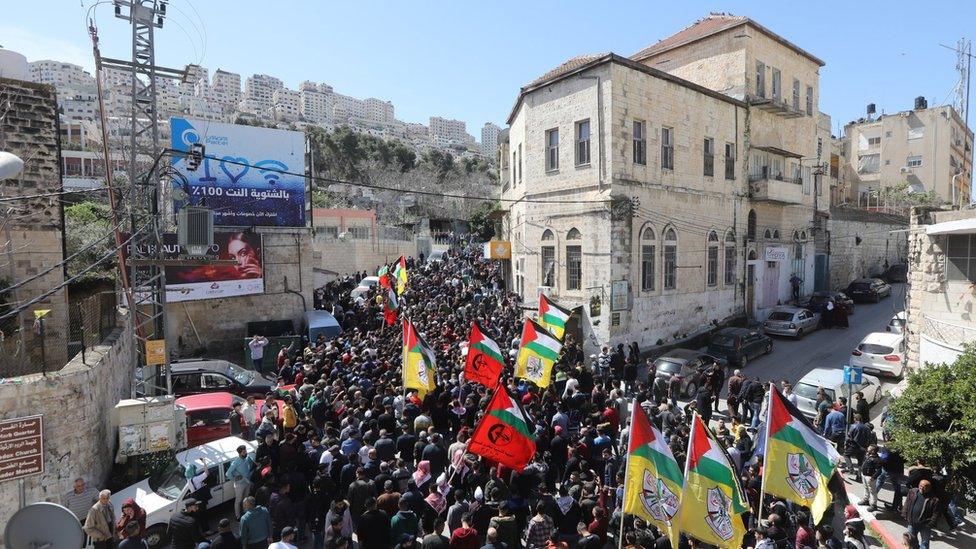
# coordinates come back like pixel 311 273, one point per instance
pixel 739 345
pixel 791 321
pixel 895 273
pixel 161 494
pixel 818 302
pixel 897 323
pixel 868 289
pixel 832 381
pixel 365 285
pixel 436 256
pixel 689 365
pixel 208 416
pixel 204 375
pixel 881 353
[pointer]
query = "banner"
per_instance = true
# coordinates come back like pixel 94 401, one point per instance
pixel 245 187
pixel 212 281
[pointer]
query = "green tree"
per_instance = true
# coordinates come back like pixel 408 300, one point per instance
pixel 479 223
pixel 85 223
pixel 935 420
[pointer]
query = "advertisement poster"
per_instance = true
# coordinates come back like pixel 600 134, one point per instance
pixel 246 277
pixel 242 182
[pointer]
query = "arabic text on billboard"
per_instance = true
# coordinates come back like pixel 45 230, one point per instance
pixel 245 187
pixel 216 281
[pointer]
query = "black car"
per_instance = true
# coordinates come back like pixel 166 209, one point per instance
pixel 202 375
pixel 689 365
pixel 739 345
pixel 895 273
pixel 818 302
pixel 868 289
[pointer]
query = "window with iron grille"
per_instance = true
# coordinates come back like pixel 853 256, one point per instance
pixel 520 163
pixel 667 148
pixel 777 88
pixel 670 260
pixel 729 259
pixel 574 267
pixel 961 256
pixel 548 266
pixel 583 142
pixel 796 94
pixel 648 251
pixel 552 150
pixel 810 100
pixel 760 79
pixel 708 150
pixel 712 263
pixel 730 161
pixel 358 233
pixel 640 142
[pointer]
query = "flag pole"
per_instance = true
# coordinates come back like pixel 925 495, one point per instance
pixel 684 486
pixel 623 500
pixel 762 485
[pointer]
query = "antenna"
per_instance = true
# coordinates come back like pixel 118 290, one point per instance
pixel 964 56
pixel 43 526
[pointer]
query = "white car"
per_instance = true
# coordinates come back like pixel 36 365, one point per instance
pixel 832 381
pixel 897 323
pixel 161 495
pixel 365 285
pixel 881 353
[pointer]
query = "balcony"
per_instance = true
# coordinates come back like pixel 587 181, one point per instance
pixel 775 106
pixel 766 186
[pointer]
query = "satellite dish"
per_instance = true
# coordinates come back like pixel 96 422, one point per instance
pixel 43 526
pixel 915 188
pixel 10 165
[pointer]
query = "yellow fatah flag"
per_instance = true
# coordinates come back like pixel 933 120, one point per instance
pixel 653 480
pixel 419 363
pixel 539 351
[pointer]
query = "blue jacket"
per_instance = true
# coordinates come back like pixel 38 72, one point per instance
pixel 835 424
pixel 256 526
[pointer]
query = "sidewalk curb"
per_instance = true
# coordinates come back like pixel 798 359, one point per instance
pixel 871 520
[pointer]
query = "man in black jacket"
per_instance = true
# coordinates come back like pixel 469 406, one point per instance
pixel 374 527
pixel 225 538
pixel 184 529
pixel 921 511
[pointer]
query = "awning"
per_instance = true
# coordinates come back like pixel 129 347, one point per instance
pixel 779 151
pixel 959 226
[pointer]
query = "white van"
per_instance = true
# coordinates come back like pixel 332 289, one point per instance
pixel 162 494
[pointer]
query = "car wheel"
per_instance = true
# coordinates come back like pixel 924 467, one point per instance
pixel 157 536
pixel 799 334
pixel 768 349
pixel 691 390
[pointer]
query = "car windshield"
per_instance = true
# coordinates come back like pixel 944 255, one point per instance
pixel 897 322
pixel 241 375
pixel 805 390
pixel 168 482
pixel 780 315
pixel 723 341
pixel 875 349
pixel 664 365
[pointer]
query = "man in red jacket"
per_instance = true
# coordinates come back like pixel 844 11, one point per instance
pixel 465 537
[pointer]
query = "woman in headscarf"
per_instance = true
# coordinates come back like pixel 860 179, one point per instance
pixel 131 512
pixel 422 475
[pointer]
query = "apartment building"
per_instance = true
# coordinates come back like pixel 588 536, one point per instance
pixel 286 104
pixel 226 90
pixel 489 141
pixel 315 105
pixel 346 108
pixel 379 111
pixel 445 131
pixel 61 76
pixel 674 188
pixel 258 91
pixel 925 149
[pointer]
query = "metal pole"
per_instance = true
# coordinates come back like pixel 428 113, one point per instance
pixel 16 291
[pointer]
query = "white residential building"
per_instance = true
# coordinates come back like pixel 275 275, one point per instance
pixel 196 81
pixel 63 76
pixel 226 90
pixel 314 105
pixel 444 131
pixel 489 141
pixel 347 107
pixel 286 104
pixel 258 90
pixel 379 111
pixel 81 106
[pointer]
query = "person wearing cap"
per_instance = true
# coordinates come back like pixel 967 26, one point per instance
pixel 184 528
pixel 288 534
pixel 225 537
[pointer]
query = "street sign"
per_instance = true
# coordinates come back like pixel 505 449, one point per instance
pixel 155 352
pixel 21 447
pixel 853 375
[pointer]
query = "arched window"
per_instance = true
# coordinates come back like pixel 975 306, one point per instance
pixel 574 260
pixel 729 258
pixel 797 246
pixel 670 259
pixel 548 259
pixel 751 228
pixel 776 234
pixel 648 249
pixel 711 272
pixel 767 234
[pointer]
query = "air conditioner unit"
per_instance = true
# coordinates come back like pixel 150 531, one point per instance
pixel 195 230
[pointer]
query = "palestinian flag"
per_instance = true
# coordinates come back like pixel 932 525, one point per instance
pixel 485 361
pixel 391 306
pixel 539 351
pixel 654 481
pixel 553 317
pixel 712 501
pixel 504 434
pixel 400 275
pixel 384 276
pixel 419 364
pixel 798 462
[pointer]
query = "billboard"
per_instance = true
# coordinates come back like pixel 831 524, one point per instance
pixel 192 283
pixel 244 187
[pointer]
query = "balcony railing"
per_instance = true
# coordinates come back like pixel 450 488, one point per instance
pixel 775 188
pixel 953 334
pixel 775 106
pixel 765 173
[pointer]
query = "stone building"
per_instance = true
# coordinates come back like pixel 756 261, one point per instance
pixel 941 280
pixel 863 243
pixel 670 191
pixel 30 230
pixel 926 149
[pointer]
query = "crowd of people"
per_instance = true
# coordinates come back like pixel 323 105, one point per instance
pixel 355 460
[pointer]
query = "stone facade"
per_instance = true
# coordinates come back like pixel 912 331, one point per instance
pixel 864 243
pixel 219 325
pixel 76 402
pixel 32 228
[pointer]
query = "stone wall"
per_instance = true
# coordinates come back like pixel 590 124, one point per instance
pixel 218 325
pixel 862 244
pixel 350 256
pixel 31 236
pixel 76 402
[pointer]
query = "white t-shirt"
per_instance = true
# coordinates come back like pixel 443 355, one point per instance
pixel 257 348
pixel 281 545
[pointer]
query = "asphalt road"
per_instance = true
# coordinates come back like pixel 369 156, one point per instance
pixel 791 359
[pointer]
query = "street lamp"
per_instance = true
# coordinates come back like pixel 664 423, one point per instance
pixel 10 165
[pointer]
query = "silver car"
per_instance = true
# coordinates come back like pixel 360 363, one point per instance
pixel 791 321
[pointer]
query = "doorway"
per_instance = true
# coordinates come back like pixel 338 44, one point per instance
pixel 771 284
